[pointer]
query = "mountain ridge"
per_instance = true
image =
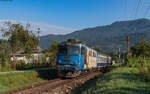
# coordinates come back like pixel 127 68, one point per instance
pixel 108 37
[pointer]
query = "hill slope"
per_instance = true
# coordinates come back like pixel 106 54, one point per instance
pixel 109 37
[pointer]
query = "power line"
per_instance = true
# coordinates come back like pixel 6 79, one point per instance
pixel 125 10
pixel 147 10
pixel 133 11
pixel 137 8
pixel 142 5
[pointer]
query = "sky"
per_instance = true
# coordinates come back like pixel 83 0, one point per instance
pixel 65 16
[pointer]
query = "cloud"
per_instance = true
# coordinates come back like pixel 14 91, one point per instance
pixel 45 28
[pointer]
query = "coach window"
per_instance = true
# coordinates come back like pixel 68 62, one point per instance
pixel 94 54
pixel 90 53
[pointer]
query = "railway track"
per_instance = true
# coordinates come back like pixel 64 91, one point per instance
pixel 56 86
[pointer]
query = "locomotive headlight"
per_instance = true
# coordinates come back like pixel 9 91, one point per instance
pixel 59 61
pixel 76 68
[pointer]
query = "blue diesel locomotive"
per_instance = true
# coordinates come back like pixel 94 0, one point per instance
pixel 73 57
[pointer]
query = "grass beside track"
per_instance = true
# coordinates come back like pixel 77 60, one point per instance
pixel 12 81
pixel 16 80
pixel 119 81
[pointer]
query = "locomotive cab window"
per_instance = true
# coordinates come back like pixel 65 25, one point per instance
pixel 62 50
pixel 68 50
pixel 73 50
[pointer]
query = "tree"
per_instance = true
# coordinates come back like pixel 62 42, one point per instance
pixel 141 49
pixel 20 37
pixel 114 56
pixel 4 50
pixel 4 53
pixel 52 52
pixel 98 49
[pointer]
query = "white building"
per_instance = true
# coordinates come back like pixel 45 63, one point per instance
pixel 20 55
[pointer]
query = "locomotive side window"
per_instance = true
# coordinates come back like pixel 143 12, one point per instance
pixel 82 51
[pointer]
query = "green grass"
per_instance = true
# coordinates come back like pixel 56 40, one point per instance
pixel 122 80
pixel 16 80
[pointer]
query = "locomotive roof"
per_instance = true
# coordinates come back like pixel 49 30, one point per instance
pixel 75 42
pixel 71 42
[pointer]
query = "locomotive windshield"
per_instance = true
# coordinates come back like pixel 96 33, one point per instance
pixel 68 50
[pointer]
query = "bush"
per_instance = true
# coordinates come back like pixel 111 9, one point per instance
pixel 0 67
pixel 133 61
pixel 20 65
pixel 5 67
pixel 145 69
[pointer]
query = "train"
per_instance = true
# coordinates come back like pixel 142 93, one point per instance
pixel 75 57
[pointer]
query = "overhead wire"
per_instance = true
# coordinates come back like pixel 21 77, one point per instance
pixel 125 10
pixel 147 10
pixel 137 8
pixel 133 10
pixel 142 7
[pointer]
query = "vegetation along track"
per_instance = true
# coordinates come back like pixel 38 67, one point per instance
pixel 56 86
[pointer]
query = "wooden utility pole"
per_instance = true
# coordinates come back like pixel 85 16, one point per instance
pixel 128 45
pixel 119 55
pixel 38 47
pixel 38 35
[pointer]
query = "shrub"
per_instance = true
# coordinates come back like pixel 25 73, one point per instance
pixel 144 69
pixel 0 67
pixel 133 61
pixel 5 67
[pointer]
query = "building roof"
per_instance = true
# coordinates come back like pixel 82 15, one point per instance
pixel 22 52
